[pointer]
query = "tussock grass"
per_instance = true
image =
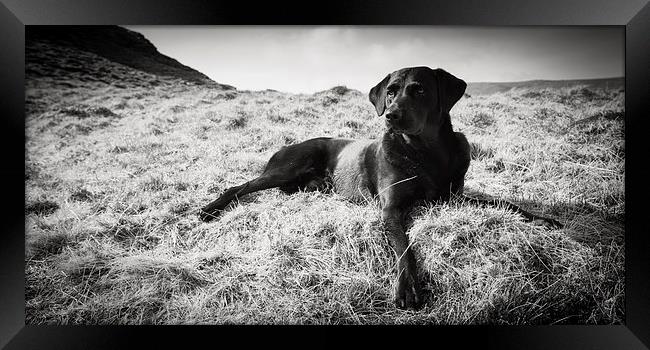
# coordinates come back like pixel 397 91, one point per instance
pixel 114 177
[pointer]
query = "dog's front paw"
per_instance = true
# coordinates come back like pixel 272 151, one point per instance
pixel 408 294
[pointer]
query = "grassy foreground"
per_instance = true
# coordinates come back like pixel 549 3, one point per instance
pixel 115 175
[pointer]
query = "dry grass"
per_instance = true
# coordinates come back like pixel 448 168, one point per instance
pixel 114 177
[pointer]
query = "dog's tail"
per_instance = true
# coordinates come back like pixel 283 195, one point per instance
pixel 501 203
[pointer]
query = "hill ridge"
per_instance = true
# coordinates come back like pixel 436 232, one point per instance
pixel 119 45
pixel 487 88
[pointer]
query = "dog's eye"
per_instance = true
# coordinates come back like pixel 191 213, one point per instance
pixel 419 90
pixel 390 94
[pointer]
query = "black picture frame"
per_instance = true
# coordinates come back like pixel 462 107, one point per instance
pixel 634 15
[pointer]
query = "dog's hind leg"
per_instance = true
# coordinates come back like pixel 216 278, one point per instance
pixel 277 177
pixel 291 168
pixel 528 215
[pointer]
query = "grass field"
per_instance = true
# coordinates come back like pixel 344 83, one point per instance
pixel 116 170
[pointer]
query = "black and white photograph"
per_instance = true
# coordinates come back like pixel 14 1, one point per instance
pixel 274 175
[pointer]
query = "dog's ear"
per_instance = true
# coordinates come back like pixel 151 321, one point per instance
pixel 450 89
pixel 377 95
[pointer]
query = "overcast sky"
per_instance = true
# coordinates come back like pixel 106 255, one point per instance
pixel 309 59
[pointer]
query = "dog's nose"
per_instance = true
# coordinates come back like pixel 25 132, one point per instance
pixel 393 116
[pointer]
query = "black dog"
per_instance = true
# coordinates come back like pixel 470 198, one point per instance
pixel 420 157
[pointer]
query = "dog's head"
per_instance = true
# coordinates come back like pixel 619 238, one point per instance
pixel 416 98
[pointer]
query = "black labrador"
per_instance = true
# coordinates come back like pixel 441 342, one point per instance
pixel 419 158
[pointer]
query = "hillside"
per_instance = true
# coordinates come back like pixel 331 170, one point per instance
pixel 112 43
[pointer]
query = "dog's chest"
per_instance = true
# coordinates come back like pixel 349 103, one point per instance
pixel 351 176
pixel 420 174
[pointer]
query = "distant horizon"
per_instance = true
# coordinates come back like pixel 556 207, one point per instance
pixel 308 59
pixel 468 83
pixel 529 80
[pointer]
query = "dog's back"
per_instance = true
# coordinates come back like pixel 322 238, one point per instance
pixel 353 173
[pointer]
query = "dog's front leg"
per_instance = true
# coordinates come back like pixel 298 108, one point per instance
pixel 407 294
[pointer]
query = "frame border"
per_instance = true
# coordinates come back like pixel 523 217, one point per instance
pixel 634 15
